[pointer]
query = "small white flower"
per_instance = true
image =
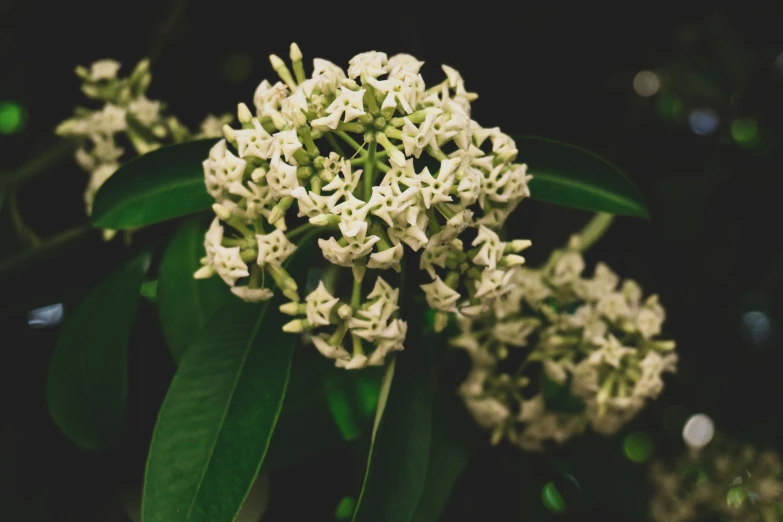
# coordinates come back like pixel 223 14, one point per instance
pixel 319 305
pixel 453 228
pixel 568 268
pixel 371 64
pixel 440 296
pixel 229 265
pixel 109 120
pixel 387 205
pixel 281 178
pixel 494 283
pixel 146 112
pixel 345 182
pixel 487 412
pixel 403 64
pixel 612 352
pixel 415 139
pixel 436 189
pixel 327 350
pixel 387 259
pixel 252 295
pixel 346 107
pixel 268 97
pixel 491 248
pixel 273 248
pixel 255 142
pixel 104 70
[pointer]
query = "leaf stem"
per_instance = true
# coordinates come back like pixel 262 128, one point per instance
pixel 369 170
pixel 45 247
pixel 25 233
pixel 298 231
pixel 39 164
pixel 352 142
pixel 594 230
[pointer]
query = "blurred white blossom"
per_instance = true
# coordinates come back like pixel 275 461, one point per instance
pixel 591 339
pixel 725 480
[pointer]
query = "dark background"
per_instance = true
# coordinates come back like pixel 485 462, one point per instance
pixel 712 248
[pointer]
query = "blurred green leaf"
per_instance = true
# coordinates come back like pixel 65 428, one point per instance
pixel 87 384
pixel 186 304
pixel 454 436
pixel 397 465
pixel 569 176
pixel 313 380
pixel 218 416
pixel 160 185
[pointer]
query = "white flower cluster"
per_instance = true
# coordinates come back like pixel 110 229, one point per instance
pixel 386 165
pixel 725 480
pixel 586 335
pixel 127 114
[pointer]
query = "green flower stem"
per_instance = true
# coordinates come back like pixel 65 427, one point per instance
pixel 352 142
pixel 335 146
pixel 590 233
pixel 356 295
pixel 298 231
pixel 357 344
pixel 392 133
pixel 432 223
pixel 25 233
pixel 384 243
pixel 307 138
pixel 369 171
pixel 29 256
pixel 594 230
pixel 338 335
pixel 369 97
pixel 437 154
pixel 382 167
pixel 39 164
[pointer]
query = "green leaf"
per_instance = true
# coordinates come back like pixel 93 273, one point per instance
pixel 397 466
pixel 186 304
pixel 308 402
pixel 87 384
pixel 218 416
pixel 454 436
pixel 160 185
pixel 573 177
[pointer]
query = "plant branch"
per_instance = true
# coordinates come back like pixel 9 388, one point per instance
pixel 39 164
pixel 594 230
pixel 46 247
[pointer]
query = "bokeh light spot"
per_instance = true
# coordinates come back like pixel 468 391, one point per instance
pixel 698 431
pixel 756 326
pixel 703 121
pixel 345 508
pixel 11 117
pixel 149 289
pixel 552 498
pixel 237 67
pixel 646 83
pixel 46 316
pixel 744 130
pixel 638 446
